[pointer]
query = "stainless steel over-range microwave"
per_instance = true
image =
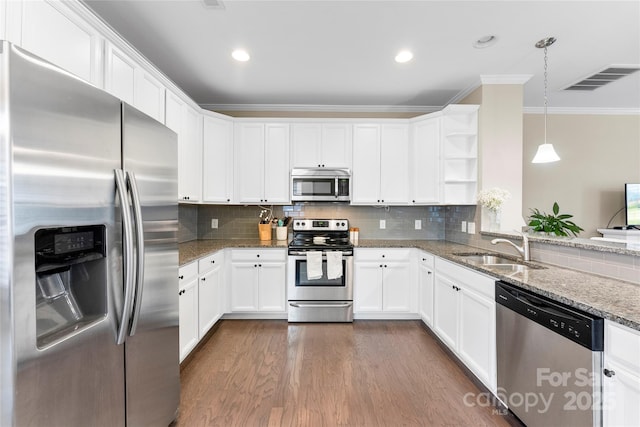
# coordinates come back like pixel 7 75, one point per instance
pixel 320 185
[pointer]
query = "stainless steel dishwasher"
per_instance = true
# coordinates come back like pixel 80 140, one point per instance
pixel 549 360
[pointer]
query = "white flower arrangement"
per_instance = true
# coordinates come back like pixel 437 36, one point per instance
pixel 493 198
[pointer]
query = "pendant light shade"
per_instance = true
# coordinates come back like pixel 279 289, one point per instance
pixel 546 152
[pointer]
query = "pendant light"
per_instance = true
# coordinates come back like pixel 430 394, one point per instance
pixel 545 153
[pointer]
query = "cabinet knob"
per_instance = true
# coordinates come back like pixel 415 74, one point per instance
pixel 213 261
pixel 382 255
pixel 255 265
pixel 228 200
pixel 318 165
pixel 259 265
pixel 380 265
pixel 428 272
pixel 180 277
pixel 385 266
pixel 322 165
pixel 413 201
pixel 203 279
pixel 609 373
pixel 258 255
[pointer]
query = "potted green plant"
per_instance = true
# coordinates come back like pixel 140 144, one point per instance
pixel 557 224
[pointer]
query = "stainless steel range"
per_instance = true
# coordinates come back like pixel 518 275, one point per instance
pixel 320 273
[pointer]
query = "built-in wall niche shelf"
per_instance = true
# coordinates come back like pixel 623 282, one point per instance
pixel 460 154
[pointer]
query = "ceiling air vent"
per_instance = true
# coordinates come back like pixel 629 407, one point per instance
pixel 606 76
pixel 213 4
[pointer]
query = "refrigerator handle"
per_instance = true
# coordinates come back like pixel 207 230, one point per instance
pixel 127 251
pixel 139 231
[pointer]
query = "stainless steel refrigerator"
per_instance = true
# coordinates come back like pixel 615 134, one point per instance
pixel 88 254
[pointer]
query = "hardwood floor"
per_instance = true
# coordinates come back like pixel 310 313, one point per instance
pixel 366 373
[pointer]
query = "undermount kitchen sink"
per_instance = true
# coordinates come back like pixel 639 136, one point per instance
pixel 498 263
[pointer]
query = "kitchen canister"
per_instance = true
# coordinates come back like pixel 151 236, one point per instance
pixel 281 233
pixel 264 231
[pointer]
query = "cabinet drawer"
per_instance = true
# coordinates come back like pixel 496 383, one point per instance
pixel 622 344
pixel 378 254
pixel 426 259
pixel 187 272
pixel 210 261
pixel 255 255
pixel 471 279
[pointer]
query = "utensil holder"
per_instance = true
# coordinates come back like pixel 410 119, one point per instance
pixel 281 233
pixel 264 231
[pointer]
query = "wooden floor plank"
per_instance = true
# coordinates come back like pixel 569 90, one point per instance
pixel 366 373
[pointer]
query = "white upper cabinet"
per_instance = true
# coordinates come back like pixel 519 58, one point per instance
pixel 218 160
pixel 261 162
pixel 56 33
pixel 380 164
pixel 187 123
pixel 128 81
pixel 425 161
pixel 321 145
pixel 119 76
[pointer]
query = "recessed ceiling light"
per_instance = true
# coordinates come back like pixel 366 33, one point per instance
pixel 485 41
pixel 240 55
pixel 404 56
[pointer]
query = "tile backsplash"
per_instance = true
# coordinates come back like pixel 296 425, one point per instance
pixel 240 222
pixel 438 223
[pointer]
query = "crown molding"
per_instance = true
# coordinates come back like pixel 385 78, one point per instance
pixel 505 79
pixel 324 108
pixel 584 111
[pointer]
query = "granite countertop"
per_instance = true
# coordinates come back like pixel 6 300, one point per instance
pixel 609 298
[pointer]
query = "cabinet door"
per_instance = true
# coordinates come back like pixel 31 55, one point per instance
pixel 148 95
pixel 446 311
pixel 244 286
pixel 218 157
pixel 209 293
pixel 425 282
pixel 119 75
pixel 188 316
pixel 271 287
pixel 54 32
pixel 621 396
pixel 336 146
pixel 367 290
pixel 249 162
pixel 398 288
pixel 190 155
pixel 477 334
pixel 276 164
pixel 426 162
pixel 394 164
pixel 366 165
pixel 305 144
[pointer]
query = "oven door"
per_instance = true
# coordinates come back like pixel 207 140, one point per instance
pixel 300 288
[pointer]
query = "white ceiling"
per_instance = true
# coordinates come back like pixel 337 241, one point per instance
pixel 323 54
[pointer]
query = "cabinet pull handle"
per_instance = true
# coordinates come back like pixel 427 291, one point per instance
pixel 609 373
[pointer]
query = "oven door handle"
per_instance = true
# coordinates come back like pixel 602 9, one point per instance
pixel 311 305
pixel 303 254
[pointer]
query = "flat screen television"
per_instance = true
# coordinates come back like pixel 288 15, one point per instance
pixel 632 203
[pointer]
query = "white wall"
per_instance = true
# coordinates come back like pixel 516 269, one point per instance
pixel 599 153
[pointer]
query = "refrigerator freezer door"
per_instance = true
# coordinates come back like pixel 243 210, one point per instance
pixel 65 144
pixel 152 352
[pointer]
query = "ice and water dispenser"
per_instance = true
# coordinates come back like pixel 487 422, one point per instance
pixel 71 280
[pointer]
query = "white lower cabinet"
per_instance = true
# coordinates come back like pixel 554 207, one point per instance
pixel 621 380
pixel 200 290
pixel 425 286
pixel 188 308
pixel 210 287
pixel 384 284
pixel 464 318
pixel 258 281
